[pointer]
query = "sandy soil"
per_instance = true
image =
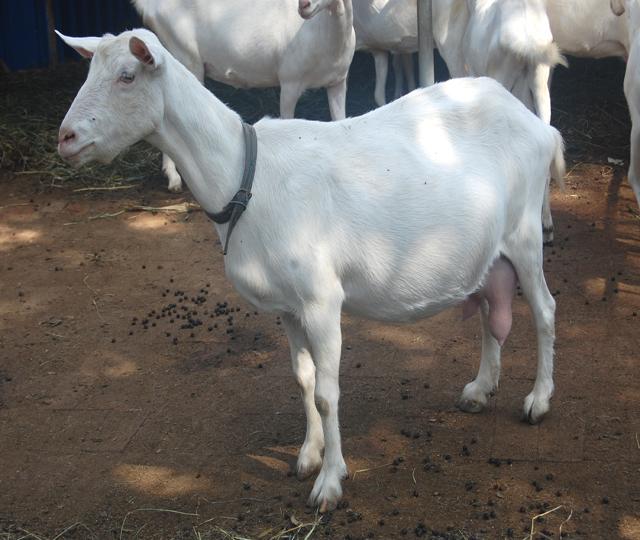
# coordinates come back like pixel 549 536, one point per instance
pixel 116 422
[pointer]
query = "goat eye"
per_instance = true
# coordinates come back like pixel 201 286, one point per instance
pixel 126 77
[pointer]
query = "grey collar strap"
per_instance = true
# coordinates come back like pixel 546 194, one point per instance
pixel 233 210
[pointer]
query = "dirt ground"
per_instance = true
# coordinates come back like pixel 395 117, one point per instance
pixel 117 422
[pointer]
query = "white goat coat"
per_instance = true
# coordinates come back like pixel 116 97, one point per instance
pixel 257 43
pixel 509 40
pixel 383 27
pixel 348 195
pixel 632 86
pixel 587 28
pixel 393 215
pixel 250 44
pixel 388 25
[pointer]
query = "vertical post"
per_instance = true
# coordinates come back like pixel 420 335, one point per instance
pixel 51 25
pixel 425 43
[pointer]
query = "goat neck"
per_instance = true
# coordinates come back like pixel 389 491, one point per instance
pixel 203 136
pixel 339 23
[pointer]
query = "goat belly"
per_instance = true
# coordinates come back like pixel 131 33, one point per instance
pixel 394 310
pixel 499 290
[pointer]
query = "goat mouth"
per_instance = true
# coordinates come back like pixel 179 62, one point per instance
pixel 75 156
pixel 306 15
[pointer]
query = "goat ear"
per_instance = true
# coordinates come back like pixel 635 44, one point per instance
pixel 617 6
pixel 143 52
pixel 86 46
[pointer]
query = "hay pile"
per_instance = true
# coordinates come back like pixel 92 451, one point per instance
pixel 33 104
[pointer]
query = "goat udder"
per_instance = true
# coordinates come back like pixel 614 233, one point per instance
pixel 499 290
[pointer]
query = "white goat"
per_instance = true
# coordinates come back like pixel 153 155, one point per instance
pixel 398 214
pixel 594 29
pixel 259 43
pixel 587 28
pixel 508 40
pixel 384 26
pixel 632 85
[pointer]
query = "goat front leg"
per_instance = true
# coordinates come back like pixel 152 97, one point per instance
pixel 337 96
pixel 547 219
pixel 289 95
pixel 381 61
pixel 634 166
pixel 322 325
pixel 475 395
pixel 310 457
pixel 170 171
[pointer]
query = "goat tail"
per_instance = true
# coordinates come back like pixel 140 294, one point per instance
pixel 529 37
pixel 141 6
pixel 554 56
pixel 548 55
pixel 558 168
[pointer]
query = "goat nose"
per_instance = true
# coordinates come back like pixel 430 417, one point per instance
pixel 304 4
pixel 66 135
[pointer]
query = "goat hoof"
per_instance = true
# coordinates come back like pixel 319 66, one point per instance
pixel 305 470
pixel 327 506
pixel 535 408
pixel 175 188
pixel 309 461
pixel 547 236
pixel 327 489
pixel 473 399
pixel 470 405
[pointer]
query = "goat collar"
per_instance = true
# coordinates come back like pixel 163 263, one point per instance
pixel 233 210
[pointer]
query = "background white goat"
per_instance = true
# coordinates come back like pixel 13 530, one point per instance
pixel 383 27
pixel 508 40
pixel 587 28
pixel 594 29
pixel 259 43
pixel 410 209
pixel 632 85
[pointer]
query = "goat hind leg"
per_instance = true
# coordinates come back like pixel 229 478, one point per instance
pixel 381 61
pixel 526 257
pixel 540 83
pixel 475 395
pixel 409 73
pixel 398 76
pixel 337 97
pixel 310 457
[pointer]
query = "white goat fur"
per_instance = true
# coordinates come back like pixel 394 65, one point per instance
pixel 258 43
pixel 632 85
pixel 587 28
pixel 394 215
pixel 383 27
pixel 590 28
pixel 596 29
pixel 509 40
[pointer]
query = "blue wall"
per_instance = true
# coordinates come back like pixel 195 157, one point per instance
pixel 23 27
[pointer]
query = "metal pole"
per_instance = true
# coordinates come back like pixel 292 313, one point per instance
pixel 51 25
pixel 425 43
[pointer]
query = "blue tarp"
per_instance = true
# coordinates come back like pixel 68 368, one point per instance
pixel 23 27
